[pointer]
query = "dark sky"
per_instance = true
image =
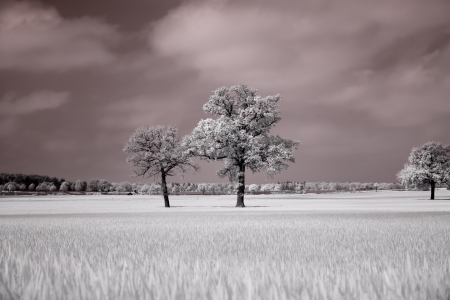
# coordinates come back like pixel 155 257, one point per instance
pixel 362 82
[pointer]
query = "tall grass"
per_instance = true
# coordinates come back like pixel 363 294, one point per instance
pixel 241 255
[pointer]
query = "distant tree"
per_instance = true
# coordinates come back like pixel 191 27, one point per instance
pixel 80 186
pixel 40 186
pixel 114 186
pixel 92 185
pixel 376 185
pixel 240 135
pixel 53 187
pixel 103 186
pixel 191 188
pixel 125 187
pixel 202 188
pixel 428 164
pixel 22 187
pixel 156 151
pixel 310 186
pixel 253 188
pixel 146 189
pixel 332 186
pixel 12 186
pixel 65 186
pixel 268 187
pixel 136 186
pixel 176 189
pixel 298 188
pixel 291 186
pixel 45 186
pixel 32 187
pixel 156 189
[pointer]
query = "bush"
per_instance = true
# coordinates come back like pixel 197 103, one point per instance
pixel 80 185
pixel 64 186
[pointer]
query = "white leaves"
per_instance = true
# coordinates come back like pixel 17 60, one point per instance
pixel 430 162
pixel 157 149
pixel 240 132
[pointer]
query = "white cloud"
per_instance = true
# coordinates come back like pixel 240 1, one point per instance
pixel 11 105
pixel 37 38
pixel 383 58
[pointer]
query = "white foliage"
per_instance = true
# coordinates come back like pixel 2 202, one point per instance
pixel 240 133
pixel 65 186
pixel 155 150
pixel 254 187
pixel 430 162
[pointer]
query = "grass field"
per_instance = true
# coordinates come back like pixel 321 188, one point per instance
pixel 386 245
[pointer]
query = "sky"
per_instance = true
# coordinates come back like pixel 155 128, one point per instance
pixel 361 82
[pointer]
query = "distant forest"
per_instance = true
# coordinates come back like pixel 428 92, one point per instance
pixel 42 183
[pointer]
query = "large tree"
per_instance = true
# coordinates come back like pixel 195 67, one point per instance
pixel 428 164
pixel 156 151
pixel 240 135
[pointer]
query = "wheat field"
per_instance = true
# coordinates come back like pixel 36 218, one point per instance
pixel 227 253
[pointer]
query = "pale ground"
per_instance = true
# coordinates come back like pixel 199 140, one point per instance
pixel 372 245
pixel 382 201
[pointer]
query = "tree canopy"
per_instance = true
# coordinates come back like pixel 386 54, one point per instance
pixel 156 150
pixel 428 164
pixel 240 135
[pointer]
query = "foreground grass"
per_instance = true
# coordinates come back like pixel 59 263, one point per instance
pixel 226 255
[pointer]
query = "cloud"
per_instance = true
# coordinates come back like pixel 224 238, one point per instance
pixel 361 81
pixel 380 59
pixel 142 110
pixel 36 38
pixel 11 105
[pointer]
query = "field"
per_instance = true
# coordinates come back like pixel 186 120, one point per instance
pixel 385 245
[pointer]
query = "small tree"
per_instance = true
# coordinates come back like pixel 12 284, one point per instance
pixel 124 187
pixel 103 186
pixel 52 188
pixel 146 189
pixel 428 164
pixel 240 135
pixel 32 187
pixel 253 188
pixel 12 186
pixel 157 151
pixel 176 189
pixel 65 186
pixel 92 185
pixel 80 185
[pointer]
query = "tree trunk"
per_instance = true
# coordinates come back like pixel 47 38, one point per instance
pixel 433 185
pixel 164 189
pixel 241 188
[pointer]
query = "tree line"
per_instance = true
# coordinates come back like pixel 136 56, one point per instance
pixel 40 183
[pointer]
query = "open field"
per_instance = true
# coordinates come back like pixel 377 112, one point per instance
pixel 385 245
